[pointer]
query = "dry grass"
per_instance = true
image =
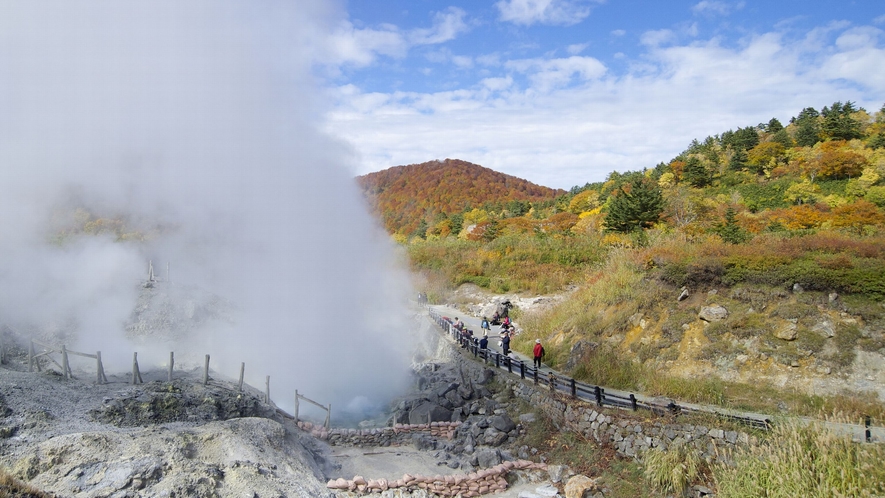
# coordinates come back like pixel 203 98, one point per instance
pixel 808 461
pixel 10 487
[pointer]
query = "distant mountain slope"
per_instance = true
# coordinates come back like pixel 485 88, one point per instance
pixel 404 195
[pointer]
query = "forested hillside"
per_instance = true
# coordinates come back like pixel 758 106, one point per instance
pixel 822 176
pixel 431 197
pixel 779 227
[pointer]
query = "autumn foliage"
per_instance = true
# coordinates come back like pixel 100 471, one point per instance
pixel 404 196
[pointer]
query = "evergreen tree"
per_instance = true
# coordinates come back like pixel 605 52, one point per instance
pixel 730 231
pixel 421 231
pixel 746 138
pixel 877 141
pixel 807 127
pixel 696 174
pixel 738 159
pixel 774 126
pixel 457 220
pixel 634 206
pixel 838 123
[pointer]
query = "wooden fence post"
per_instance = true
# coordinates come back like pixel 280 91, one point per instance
pixel 64 353
pixel 328 416
pixel 296 406
pixel 64 361
pixel 99 369
pixel 136 374
pixel 242 371
pixel 206 372
pixel 267 390
pixel 31 357
pixel 171 364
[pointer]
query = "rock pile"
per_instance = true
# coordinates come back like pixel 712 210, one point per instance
pixel 491 480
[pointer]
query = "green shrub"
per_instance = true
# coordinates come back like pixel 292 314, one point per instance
pixel 672 329
pixel 794 311
pixel 748 325
pixel 846 340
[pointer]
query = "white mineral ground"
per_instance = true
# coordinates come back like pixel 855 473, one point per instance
pixel 55 441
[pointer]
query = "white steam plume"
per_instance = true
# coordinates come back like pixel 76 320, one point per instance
pixel 195 121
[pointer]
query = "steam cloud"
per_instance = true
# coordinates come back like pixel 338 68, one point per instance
pixel 194 122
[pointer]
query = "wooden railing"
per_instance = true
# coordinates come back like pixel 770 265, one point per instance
pixel 39 353
pixel 575 389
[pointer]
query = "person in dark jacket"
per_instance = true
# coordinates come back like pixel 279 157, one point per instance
pixel 538 353
pixel 484 342
pixel 505 344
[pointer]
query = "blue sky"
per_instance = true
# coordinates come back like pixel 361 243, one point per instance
pixel 562 92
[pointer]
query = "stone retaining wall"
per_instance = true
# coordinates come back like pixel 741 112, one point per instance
pixel 397 435
pixel 629 435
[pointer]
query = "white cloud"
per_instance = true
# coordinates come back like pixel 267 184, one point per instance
pixel 348 45
pixel 577 48
pixel 462 61
pixel 657 37
pixel 556 12
pixel 447 25
pixel 858 54
pixel 360 47
pixel 619 32
pixel 546 74
pixel 716 7
pixel 879 20
pixel 575 121
pixel 497 84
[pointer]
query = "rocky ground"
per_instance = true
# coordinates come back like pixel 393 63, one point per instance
pixel 73 437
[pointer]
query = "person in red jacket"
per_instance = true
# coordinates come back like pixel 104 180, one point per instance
pixel 538 353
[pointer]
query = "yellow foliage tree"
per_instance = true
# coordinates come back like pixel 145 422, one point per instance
pixel 584 201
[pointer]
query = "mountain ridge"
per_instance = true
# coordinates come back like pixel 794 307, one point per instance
pixel 404 196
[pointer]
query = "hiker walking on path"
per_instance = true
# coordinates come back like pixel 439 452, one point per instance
pixel 485 324
pixel 505 344
pixel 538 353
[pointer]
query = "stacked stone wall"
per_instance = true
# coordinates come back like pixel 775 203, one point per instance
pixel 630 434
pixel 398 435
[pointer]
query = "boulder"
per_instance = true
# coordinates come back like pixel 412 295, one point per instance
pixel 558 473
pixel 578 352
pixel 487 457
pixel 527 418
pixel 713 313
pixel 683 295
pixel 826 328
pixel 423 442
pixel 580 486
pixel 502 422
pixel 547 490
pixel 419 414
pixel 787 332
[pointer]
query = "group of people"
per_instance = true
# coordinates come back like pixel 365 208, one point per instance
pixel 507 333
